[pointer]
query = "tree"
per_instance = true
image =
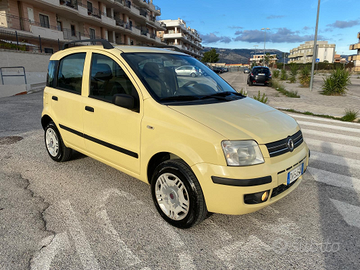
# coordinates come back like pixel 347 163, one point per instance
pixel 210 57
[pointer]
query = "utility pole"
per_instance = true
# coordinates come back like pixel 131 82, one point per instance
pixel 315 47
pixel 255 52
pixel 265 40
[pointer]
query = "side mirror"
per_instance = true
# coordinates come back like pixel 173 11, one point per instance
pixel 124 100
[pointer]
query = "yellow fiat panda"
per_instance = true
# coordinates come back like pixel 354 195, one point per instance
pixel 202 146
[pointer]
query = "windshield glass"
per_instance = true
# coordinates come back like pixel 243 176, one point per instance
pixel 173 77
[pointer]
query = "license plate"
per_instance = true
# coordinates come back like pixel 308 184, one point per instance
pixel 261 74
pixel 295 173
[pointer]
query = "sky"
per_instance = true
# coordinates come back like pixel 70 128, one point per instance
pixel 237 24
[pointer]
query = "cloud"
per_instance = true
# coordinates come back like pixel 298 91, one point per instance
pixel 344 24
pixel 282 35
pixel 274 17
pixel 212 38
pixel 236 27
pixel 306 28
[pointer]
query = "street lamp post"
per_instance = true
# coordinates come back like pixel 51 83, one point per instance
pixel 315 47
pixel 255 52
pixel 264 41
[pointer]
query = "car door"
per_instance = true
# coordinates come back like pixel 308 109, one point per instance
pixel 65 96
pixel 112 133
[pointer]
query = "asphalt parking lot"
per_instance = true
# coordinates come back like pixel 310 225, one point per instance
pixel 83 214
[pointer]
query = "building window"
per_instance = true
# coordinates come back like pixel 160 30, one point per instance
pixel 44 21
pixel 73 32
pixel 89 7
pixel 92 33
pixel 59 26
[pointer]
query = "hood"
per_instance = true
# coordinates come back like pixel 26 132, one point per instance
pixel 242 119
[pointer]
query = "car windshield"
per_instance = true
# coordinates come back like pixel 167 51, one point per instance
pixel 172 78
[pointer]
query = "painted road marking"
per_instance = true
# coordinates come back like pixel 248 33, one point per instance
pixel 82 245
pixel 330 135
pixel 323 120
pixel 333 159
pixel 350 213
pixel 335 179
pixel 49 247
pixel 186 261
pixel 355 130
pixel 335 147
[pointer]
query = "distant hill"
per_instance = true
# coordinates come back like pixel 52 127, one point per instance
pixel 240 56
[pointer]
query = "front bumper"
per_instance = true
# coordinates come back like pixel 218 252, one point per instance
pixel 225 195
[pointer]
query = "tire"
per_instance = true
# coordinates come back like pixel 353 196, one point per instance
pixel 193 75
pixel 54 144
pixel 177 194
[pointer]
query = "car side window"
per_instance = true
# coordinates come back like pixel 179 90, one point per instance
pixel 70 72
pixel 107 79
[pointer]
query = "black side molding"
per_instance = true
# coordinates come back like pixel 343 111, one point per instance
pixel 241 182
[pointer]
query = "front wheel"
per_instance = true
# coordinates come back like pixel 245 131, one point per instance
pixel 54 144
pixel 177 194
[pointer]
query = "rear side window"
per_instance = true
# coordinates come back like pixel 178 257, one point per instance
pixel 50 80
pixel 70 72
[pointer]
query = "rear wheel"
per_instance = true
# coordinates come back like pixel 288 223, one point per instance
pixel 177 194
pixel 54 144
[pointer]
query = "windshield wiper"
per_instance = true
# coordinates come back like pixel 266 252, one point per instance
pixel 222 95
pixel 180 98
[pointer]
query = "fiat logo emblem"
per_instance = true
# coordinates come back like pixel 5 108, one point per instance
pixel 290 144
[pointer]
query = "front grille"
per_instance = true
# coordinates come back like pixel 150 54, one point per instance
pixel 280 189
pixel 280 147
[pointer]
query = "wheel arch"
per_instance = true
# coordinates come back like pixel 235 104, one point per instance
pixel 156 159
pixel 45 120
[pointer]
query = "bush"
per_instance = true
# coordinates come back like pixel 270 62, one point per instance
pixel 262 98
pixel 283 75
pixel 293 71
pixel 243 92
pixel 276 73
pixel 336 84
pixel 350 115
pixel 305 77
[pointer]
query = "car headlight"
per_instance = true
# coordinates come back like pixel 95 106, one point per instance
pixel 242 153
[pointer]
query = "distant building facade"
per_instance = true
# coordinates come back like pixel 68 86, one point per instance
pixel 47 24
pixel 304 53
pixel 258 59
pixel 355 58
pixel 181 36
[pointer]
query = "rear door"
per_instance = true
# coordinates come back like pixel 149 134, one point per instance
pixel 66 100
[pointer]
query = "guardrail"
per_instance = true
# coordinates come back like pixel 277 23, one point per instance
pixel 12 75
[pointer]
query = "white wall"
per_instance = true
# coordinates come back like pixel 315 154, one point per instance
pixel 32 62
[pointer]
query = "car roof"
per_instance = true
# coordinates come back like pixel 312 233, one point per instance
pixel 121 49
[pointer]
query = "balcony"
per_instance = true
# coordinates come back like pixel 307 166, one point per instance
pixel 354 46
pixel 46 32
pixel 69 3
pixel 354 58
pixel 173 35
pixel 119 22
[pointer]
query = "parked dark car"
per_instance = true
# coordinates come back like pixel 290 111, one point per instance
pixel 218 69
pixel 246 71
pixel 259 75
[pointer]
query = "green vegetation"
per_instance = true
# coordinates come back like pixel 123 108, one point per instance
pixel 280 88
pixel 276 73
pixel 336 84
pixel 283 75
pixel 293 72
pixel 10 46
pixel 262 98
pixel 305 77
pixel 350 115
pixel 210 57
pixel 243 92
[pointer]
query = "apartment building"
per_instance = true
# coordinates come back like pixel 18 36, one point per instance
pixel 185 38
pixel 45 25
pixel 258 59
pixel 355 58
pixel 304 53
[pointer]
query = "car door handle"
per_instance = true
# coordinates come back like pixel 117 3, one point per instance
pixel 90 109
pixel 55 98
